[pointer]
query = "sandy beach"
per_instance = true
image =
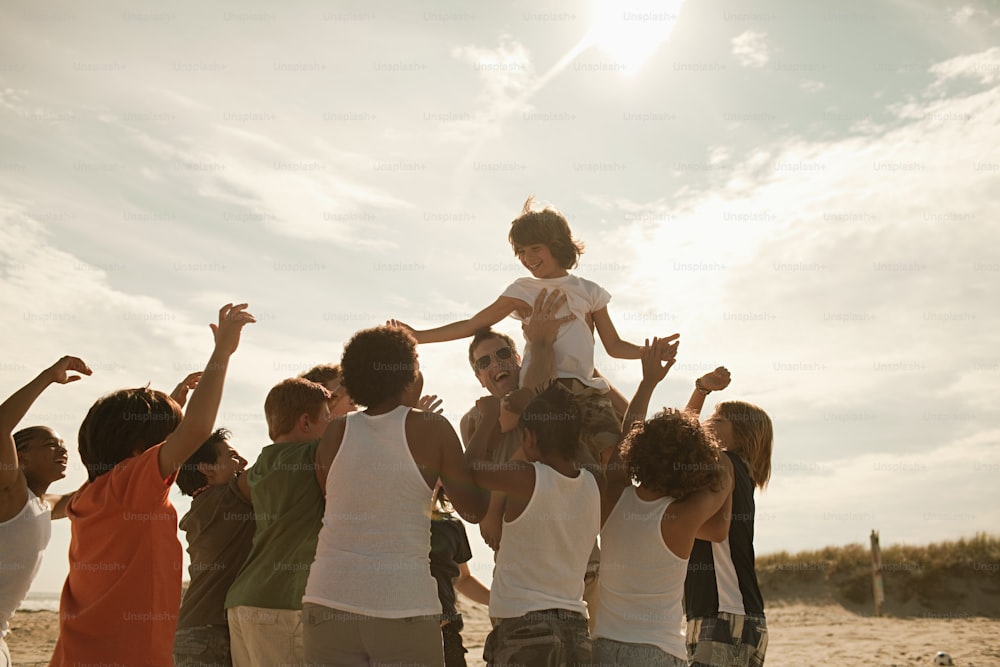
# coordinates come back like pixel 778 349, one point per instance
pixel 801 636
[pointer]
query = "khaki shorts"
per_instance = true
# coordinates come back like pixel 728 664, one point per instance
pixel 334 637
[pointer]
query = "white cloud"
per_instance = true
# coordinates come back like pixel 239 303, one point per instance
pixel 983 67
pixel 751 49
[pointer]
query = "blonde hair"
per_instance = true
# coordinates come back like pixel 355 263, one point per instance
pixel 754 437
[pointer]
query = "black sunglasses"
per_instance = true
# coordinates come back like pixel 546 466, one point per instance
pixel 483 362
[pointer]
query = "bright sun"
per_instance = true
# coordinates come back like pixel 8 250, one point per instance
pixel 630 31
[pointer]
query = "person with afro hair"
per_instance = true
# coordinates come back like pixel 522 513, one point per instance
pixel 667 484
pixel 370 596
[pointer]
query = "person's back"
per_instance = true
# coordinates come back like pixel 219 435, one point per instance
pixel 372 553
pixel 642 580
pixel 544 552
pixel 370 598
pixel 552 517
pixel 264 604
pixel 288 506
pixel 132 577
pixel 123 591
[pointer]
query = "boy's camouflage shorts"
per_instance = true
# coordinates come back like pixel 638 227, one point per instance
pixel 549 638
pixel 727 640
pixel 600 425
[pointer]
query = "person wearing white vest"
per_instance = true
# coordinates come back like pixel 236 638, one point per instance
pixel 551 520
pixel 648 531
pixel 30 460
pixel 370 597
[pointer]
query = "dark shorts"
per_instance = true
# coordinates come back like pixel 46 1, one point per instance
pixel 204 646
pixel 454 650
pixel 727 640
pixel 549 638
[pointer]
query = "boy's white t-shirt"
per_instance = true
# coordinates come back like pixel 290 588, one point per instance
pixel 574 345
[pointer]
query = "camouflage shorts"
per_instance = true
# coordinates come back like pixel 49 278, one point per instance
pixel 600 425
pixel 550 638
pixel 727 640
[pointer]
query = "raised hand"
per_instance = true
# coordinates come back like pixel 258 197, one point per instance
pixel 180 392
pixel 543 325
pixel 232 319
pixel 657 358
pixel 716 380
pixel 60 372
pixel 669 352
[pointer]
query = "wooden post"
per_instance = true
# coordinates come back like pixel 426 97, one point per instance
pixel 877 587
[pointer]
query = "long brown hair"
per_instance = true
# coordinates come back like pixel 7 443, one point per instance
pixel 754 436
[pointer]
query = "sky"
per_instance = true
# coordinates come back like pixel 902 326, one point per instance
pixel 806 193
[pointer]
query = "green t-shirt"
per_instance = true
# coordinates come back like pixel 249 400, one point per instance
pixel 288 503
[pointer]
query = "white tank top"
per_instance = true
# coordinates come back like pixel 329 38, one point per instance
pixel 373 552
pixel 543 554
pixel 23 538
pixel 642 581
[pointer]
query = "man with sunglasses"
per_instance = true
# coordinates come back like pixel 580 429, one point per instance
pixel 497 366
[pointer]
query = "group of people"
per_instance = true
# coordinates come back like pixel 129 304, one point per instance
pixel 338 546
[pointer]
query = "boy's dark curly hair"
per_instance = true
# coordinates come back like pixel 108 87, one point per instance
pixel 548 227
pixel 672 454
pixel 125 423
pixel 378 364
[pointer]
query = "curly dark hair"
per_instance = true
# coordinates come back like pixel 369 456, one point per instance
pixel 189 478
pixel 555 420
pixel 122 424
pixel 378 364
pixel 672 454
pixel 549 227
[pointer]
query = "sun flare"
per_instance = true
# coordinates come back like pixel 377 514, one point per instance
pixel 630 31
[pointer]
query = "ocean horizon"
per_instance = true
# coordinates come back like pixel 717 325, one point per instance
pixel 40 602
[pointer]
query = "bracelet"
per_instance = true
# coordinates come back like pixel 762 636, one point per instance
pixel 701 388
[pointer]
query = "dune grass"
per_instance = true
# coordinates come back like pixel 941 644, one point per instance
pixel 961 575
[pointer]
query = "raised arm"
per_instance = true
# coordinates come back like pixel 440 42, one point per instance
pixel 717 380
pixel 653 372
pixel 485 318
pixel 199 419
pixel 12 411
pixel 541 330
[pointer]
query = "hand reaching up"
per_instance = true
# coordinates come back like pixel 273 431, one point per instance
pixel 232 319
pixel 180 392
pixel 60 372
pixel 717 380
pixel 658 357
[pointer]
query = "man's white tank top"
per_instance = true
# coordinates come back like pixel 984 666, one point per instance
pixel 642 580
pixel 544 552
pixel 23 539
pixel 372 556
